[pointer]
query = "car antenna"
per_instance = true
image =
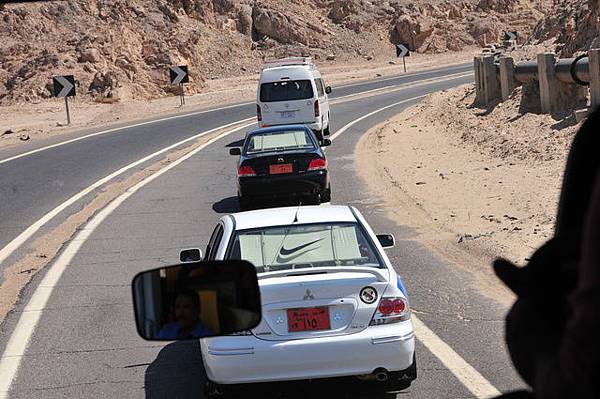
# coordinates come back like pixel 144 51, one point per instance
pixel 268 267
pixel 296 214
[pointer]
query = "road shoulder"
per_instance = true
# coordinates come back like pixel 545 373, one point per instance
pixel 465 198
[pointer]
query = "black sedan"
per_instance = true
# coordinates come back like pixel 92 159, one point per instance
pixel 282 162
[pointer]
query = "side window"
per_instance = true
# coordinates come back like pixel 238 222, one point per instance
pixel 319 84
pixel 216 243
pixel 213 243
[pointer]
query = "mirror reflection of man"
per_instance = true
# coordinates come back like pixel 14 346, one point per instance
pixel 187 322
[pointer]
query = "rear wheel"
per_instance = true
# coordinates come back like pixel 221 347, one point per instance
pixel 326 195
pixel 212 391
pixel 400 380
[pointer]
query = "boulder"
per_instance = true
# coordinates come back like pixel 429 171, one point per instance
pixel 89 55
pixel 412 31
pixel 278 26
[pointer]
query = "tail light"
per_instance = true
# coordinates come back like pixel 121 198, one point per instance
pixel 391 310
pixel 317 164
pixel 317 109
pixel 246 171
pixel 258 113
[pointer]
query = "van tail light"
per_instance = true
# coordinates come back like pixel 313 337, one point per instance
pixel 317 109
pixel 258 113
pixel 317 164
pixel 246 171
pixel 391 310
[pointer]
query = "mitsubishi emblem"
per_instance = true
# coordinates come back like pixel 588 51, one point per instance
pixel 280 159
pixel 308 295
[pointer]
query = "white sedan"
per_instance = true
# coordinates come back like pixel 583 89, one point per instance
pixel 333 305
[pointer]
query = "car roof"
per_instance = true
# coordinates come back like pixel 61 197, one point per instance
pixel 280 128
pixel 285 216
pixel 295 72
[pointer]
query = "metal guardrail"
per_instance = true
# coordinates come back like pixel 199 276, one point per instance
pixel 568 70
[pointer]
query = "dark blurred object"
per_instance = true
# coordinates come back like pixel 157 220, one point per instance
pixel 196 300
pixel 553 328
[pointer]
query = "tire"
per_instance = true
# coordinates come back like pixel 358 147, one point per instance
pixel 326 195
pixel 401 380
pixel 211 391
pixel 319 135
pixel 326 131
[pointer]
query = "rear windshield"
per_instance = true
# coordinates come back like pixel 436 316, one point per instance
pixel 278 141
pixel 286 91
pixel 299 246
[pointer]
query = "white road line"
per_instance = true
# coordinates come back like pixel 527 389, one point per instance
pixel 365 116
pixel 203 112
pixel 463 371
pixel 21 335
pixel 450 67
pixel 115 130
pixel 19 340
pixel 31 230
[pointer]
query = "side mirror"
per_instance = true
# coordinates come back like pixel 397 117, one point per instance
pixel 328 90
pixel 386 240
pixel 196 300
pixel 235 151
pixel 325 142
pixel 190 255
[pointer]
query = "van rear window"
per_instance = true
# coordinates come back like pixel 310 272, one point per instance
pixel 286 91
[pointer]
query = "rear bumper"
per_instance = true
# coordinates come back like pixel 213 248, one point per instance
pixel 283 186
pixel 247 359
pixel 315 125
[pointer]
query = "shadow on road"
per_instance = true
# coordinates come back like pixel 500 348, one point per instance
pixel 227 205
pixel 177 372
pixel 238 143
pixel 231 204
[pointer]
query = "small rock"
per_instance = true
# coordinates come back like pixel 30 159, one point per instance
pixel 486 168
pixel 378 75
pixel 8 131
pixel 392 62
pixel 243 69
pixel 517 228
pixel 369 57
pixel 419 183
pixel 330 57
pixel 24 137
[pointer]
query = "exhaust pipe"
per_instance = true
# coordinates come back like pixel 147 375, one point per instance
pixel 381 375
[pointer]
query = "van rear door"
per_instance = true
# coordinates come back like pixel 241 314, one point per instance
pixel 287 102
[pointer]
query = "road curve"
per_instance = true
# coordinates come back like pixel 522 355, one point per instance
pixel 85 344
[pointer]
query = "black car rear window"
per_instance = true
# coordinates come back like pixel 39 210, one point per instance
pixel 286 91
pixel 279 141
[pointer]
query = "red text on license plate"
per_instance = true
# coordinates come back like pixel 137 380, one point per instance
pixel 308 319
pixel 282 168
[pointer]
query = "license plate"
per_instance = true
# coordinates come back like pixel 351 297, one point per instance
pixel 288 114
pixel 308 319
pixel 281 168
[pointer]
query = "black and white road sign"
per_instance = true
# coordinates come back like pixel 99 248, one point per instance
pixel 510 35
pixel 179 74
pixel 402 50
pixel 64 86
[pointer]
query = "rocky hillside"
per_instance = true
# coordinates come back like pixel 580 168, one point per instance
pixel 120 49
pixel 573 25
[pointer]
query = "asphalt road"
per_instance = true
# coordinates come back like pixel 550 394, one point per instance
pixel 85 344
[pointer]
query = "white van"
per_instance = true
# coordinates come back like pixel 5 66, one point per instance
pixel 291 91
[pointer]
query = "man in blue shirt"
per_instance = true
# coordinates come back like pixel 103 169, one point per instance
pixel 187 314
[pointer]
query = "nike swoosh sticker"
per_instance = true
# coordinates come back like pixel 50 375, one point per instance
pixel 286 252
